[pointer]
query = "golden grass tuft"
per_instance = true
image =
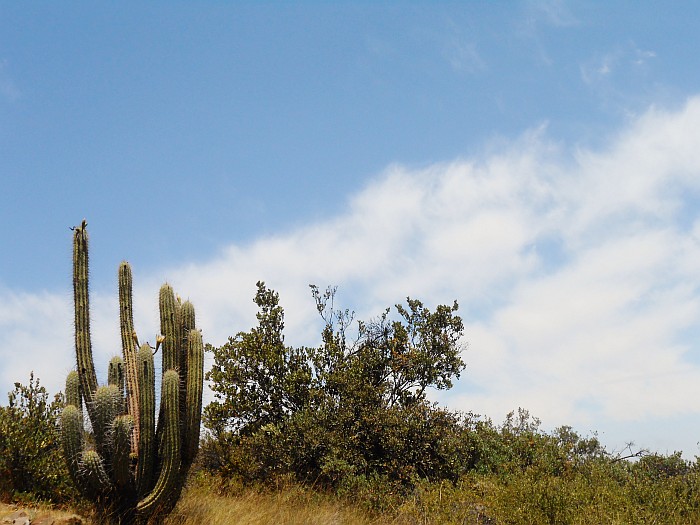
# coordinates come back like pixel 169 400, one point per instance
pixel 291 506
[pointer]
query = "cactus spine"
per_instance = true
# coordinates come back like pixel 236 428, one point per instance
pixel 136 469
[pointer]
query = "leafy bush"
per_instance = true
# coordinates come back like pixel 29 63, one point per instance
pixel 344 409
pixel 31 462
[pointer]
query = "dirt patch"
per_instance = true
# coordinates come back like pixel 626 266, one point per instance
pixel 14 515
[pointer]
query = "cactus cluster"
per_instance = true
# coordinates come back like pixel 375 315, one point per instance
pixel 131 466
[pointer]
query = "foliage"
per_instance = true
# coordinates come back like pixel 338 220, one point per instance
pixel 406 461
pixel 343 409
pixel 510 473
pixel 31 464
pixel 257 380
pixel 520 475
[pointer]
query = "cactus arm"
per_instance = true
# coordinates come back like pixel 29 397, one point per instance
pixel 83 345
pixel 108 405
pixel 115 376
pixel 72 440
pixel 169 449
pixel 187 324
pixel 193 405
pixel 129 349
pixel 115 373
pixel 190 416
pixel 169 328
pixel 147 408
pixel 73 390
pixel 93 469
pixel 121 444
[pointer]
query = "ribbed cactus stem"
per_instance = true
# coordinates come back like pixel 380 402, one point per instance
pixel 147 408
pixel 187 316
pixel 129 348
pixel 73 389
pixel 115 373
pixel 169 449
pixel 187 324
pixel 169 328
pixel 83 345
pixel 72 439
pixel 93 470
pixel 193 388
pixel 121 445
pixel 108 404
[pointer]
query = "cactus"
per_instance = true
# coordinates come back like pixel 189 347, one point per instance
pixel 72 437
pixel 136 469
pixel 73 389
pixel 129 346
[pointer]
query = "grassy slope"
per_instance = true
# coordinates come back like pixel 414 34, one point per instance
pixel 526 499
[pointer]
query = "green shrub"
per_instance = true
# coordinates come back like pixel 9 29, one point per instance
pixel 345 410
pixel 31 462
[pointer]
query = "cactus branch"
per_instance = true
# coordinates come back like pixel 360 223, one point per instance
pixel 83 345
pixel 129 346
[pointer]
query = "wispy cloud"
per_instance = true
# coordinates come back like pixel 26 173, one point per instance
pixel 539 16
pixel 463 55
pixel 8 88
pixel 619 73
pixel 577 272
pixel 552 12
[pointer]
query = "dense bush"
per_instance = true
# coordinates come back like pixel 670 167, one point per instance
pixel 31 462
pixel 345 409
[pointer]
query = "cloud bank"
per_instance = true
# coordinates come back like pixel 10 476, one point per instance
pixel 577 273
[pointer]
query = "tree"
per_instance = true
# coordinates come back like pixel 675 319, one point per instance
pixel 398 359
pixel 256 379
pixel 347 407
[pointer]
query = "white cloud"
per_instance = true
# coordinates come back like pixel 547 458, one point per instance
pixel 576 270
pixel 33 337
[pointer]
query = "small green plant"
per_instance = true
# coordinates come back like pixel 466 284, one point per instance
pixel 133 468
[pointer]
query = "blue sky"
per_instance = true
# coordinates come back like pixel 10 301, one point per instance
pixel 539 162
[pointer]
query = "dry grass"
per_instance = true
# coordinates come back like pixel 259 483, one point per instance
pixel 520 499
pixel 296 505
pixel 292 506
pixel 200 504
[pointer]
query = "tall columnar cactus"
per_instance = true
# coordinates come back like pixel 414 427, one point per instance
pixel 133 468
